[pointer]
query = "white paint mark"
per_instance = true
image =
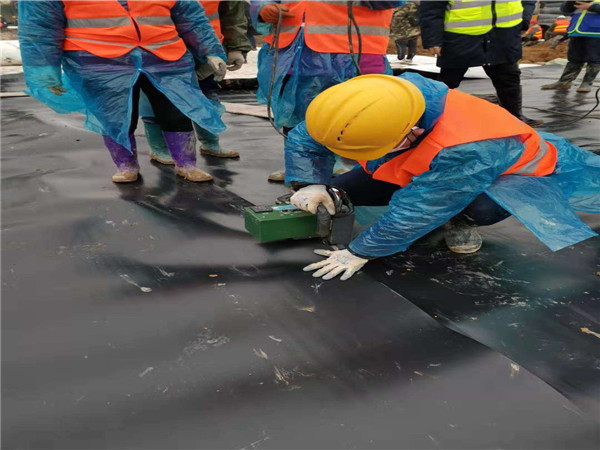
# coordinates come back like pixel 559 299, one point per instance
pixel 260 353
pixel 275 339
pixel 165 273
pixel 128 279
pixel 145 372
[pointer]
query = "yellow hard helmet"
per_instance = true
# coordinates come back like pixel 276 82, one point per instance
pixel 365 117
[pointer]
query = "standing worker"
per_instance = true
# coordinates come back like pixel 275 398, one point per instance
pixel 465 34
pixel 437 157
pixel 405 31
pixel 109 51
pixel 228 20
pixel 313 51
pixel 584 45
pixel 557 32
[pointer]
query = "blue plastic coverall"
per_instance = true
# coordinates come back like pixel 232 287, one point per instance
pixel 310 72
pixel 545 205
pixel 101 87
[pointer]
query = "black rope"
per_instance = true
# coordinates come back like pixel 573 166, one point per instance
pixel 352 22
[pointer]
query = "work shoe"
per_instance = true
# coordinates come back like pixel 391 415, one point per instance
pixel 461 238
pixel 588 79
pixel 568 76
pixel 209 144
pixel 182 146
pixel 512 100
pixel 158 148
pixel 278 176
pixel 124 159
pixel 531 122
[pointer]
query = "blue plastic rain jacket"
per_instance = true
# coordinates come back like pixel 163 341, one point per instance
pixel 310 72
pixel 545 205
pixel 101 88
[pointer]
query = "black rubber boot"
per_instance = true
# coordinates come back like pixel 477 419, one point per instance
pixel 512 101
pixel 589 77
pixel 460 237
pixel 568 76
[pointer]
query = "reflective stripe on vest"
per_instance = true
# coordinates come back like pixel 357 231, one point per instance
pixel 536 30
pixel 211 8
pixel 469 119
pixel 106 29
pixel 585 23
pixel 474 17
pixel 326 27
pixel 561 26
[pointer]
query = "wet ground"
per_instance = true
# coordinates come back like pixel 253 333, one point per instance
pixel 144 316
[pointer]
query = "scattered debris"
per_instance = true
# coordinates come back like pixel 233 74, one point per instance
pixel 260 353
pixel 588 331
pixel 310 309
pixel 275 339
pixel 213 275
pixel 221 284
pixel 389 272
pixel 165 273
pixel 205 339
pixel 128 279
pixel 281 376
pixel 514 369
pixel 416 372
pixel 145 372
pixel 434 364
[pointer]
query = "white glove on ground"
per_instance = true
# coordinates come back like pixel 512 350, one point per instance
pixel 337 262
pixel 235 60
pixel 310 197
pixel 218 66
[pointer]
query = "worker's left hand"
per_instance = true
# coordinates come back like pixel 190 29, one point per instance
pixel 583 5
pixel 337 262
pixel 310 197
pixel 218 66
pixel 235 60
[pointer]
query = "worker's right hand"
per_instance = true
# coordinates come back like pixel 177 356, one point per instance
pixel 218 66
pixel 436 51
pixel 310 197
pixel 270 13
pixel 57 90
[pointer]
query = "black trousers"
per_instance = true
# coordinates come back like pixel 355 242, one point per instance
pixel 363 190
pixel 166 113
pixel 584 50
pixel 503 76
pixel 406 47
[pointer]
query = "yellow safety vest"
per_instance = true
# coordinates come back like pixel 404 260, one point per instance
pixel 475 17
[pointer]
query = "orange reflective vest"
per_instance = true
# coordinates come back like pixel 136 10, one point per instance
pixel 106 29
pixel 561 26
pixel 469 119
pixel 211 8
pixel 538 31
pixel 326 27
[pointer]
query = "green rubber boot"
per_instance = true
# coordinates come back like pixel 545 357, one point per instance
pixel 210 145
pixel 158 148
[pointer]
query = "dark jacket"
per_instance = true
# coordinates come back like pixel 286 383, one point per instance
pixel 498 46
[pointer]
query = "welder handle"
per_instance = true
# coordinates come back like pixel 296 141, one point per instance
pixel 323 221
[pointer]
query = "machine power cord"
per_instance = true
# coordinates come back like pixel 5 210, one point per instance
pixel 561 125
pixel 275 48
pixel 353 23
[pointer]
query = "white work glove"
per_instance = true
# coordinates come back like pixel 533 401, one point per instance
pixel 218 66
pixel 337 262
pixel 310 197
pixel 235 60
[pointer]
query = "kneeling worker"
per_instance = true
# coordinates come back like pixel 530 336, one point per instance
pixel 438 157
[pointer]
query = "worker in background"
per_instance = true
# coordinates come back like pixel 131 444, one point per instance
pixel 438 158
pixel 557 32
pixel 314 52
pixel 109 51
pixel 228 20
pixel 533 35
pixel 405 31
pixel 469 34
pixel 584 45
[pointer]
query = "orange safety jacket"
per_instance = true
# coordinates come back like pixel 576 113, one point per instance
pixel 538 31
pixel 326 27
pixel 469 119
pixel 106 29
pixel 561 26
pixel 211 8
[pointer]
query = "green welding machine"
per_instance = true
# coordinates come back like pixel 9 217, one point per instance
pixel 284 221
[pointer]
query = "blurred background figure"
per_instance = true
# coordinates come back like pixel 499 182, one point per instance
pixel 405 31
pixel 534 34
pixel 557 32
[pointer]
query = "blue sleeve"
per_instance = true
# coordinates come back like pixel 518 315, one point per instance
pixel 378 5
pixel 306 160
pixel 195 30
pixel 260 26
pixel 457 175
pixel 41 37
